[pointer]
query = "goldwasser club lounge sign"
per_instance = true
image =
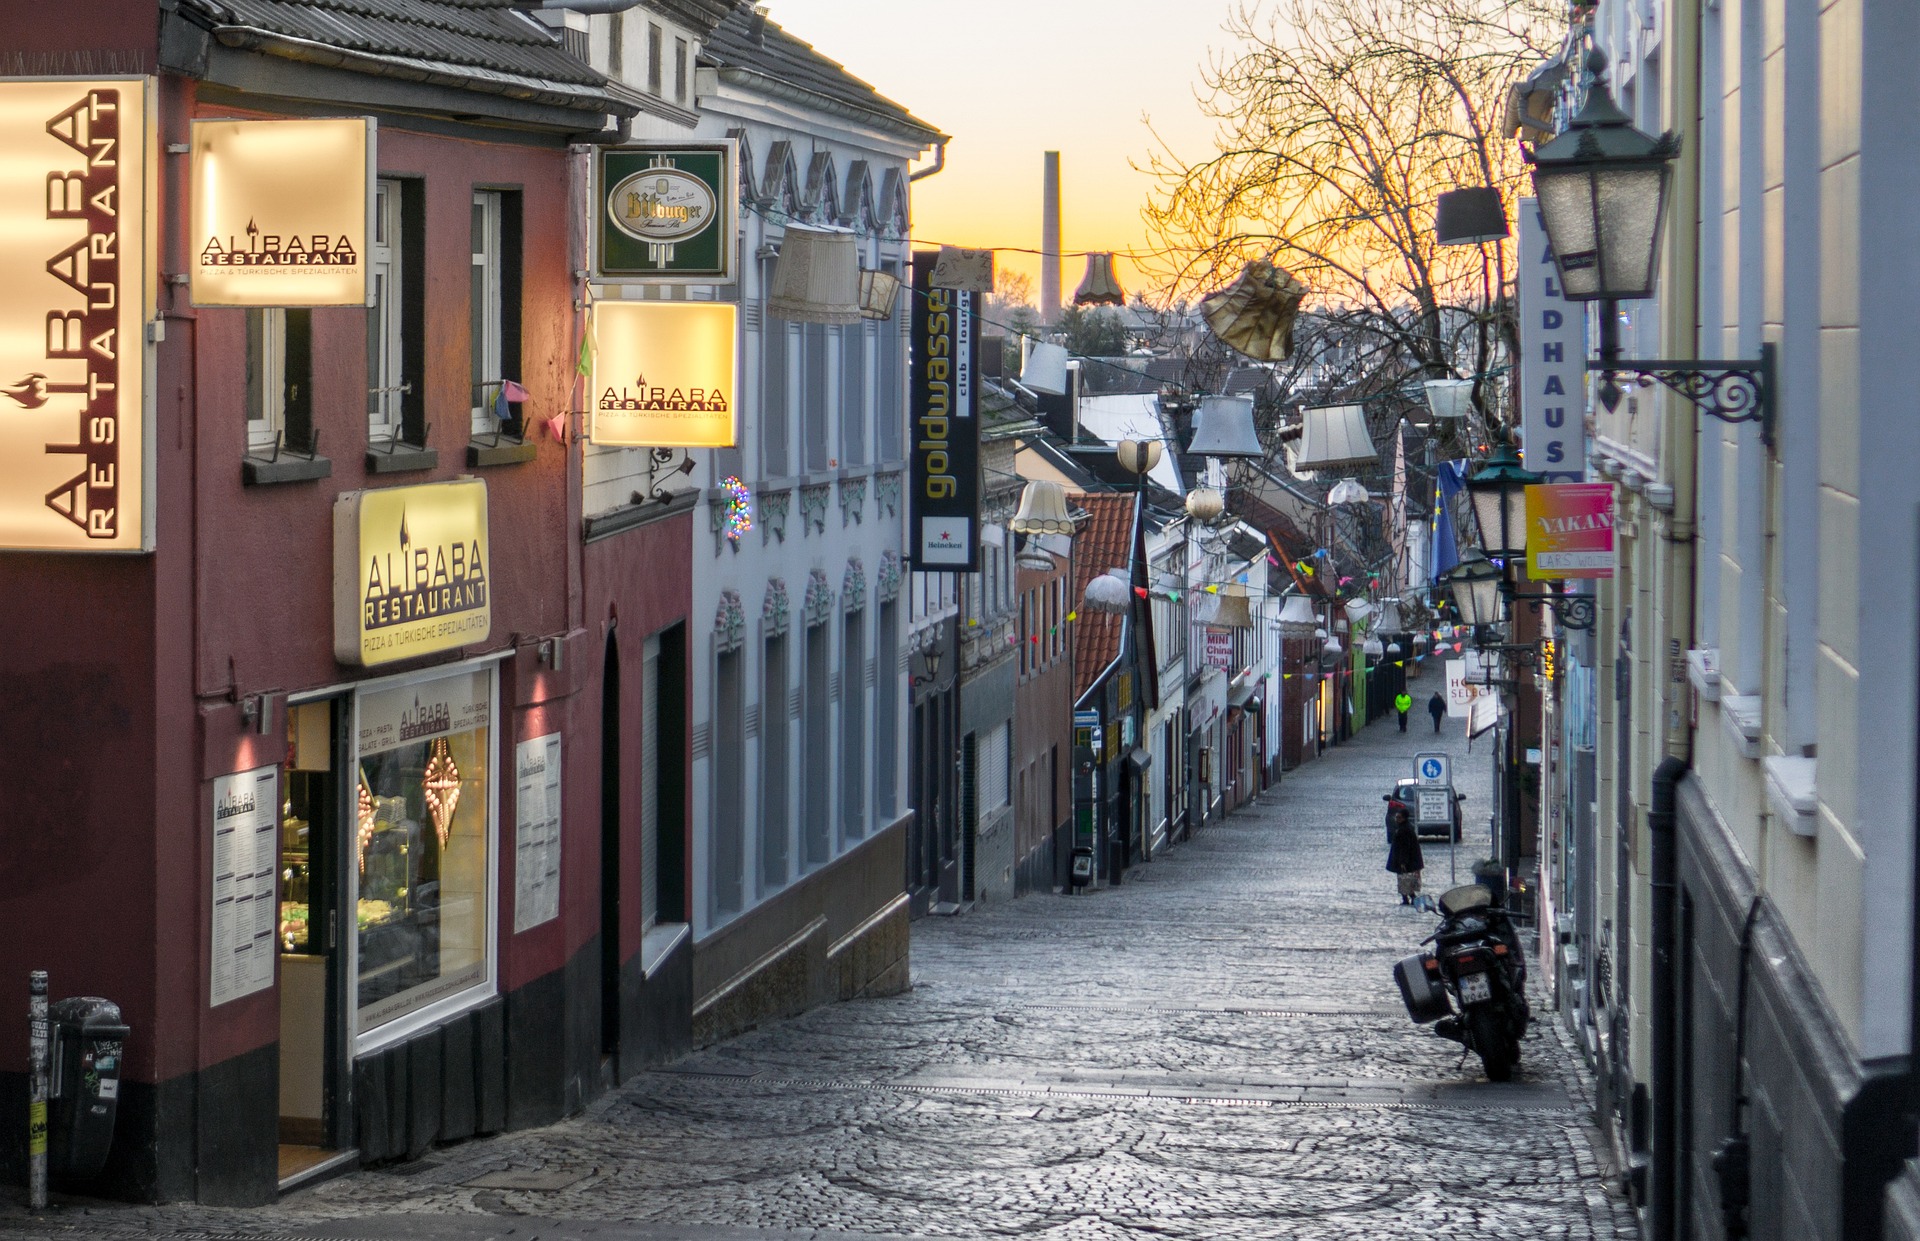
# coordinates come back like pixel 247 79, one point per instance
pixel 411 571
pixel 76 206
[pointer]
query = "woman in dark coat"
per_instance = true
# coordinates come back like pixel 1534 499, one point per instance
pixel 1404 858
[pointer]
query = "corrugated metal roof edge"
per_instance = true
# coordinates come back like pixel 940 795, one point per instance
pixel 437 73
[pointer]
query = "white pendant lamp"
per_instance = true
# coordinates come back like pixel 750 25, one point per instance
pixel 817 277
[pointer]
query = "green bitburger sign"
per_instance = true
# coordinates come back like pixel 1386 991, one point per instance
pixel 667 212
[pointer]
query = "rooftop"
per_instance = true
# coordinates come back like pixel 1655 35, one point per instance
pixel 748 41
pixel 1101 543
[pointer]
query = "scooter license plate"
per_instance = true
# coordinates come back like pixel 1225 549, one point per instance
pixel 1475 989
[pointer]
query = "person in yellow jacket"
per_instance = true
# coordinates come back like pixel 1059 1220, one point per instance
pixel 1403 703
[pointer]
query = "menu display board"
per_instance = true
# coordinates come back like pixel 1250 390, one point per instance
pixel 245 860
pixel 537 836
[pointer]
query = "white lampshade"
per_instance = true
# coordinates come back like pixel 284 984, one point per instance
pixel 1389 619
pixel 1223 427
pixel 1043 510
pixel 1372 648
pixel 1449 398
pixel 1393 648
pixel 1320 632
pixel 1331 652
pixel 1137 456
pixel 964 269
pixel 1206 504
pixel 1348 491
pixel 1045 368
pixel 1357 610
pixel 1334 437
pixel 817 277
pixel 1110 592
pixel 1233 612
pixel 878 292
pixel 1297 619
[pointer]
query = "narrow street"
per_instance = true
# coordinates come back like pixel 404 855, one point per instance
pixel 1214 1049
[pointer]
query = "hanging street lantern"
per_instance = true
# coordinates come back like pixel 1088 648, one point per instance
pixel 1475 583
pixel 1498 490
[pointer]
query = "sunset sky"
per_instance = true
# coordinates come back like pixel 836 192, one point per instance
pixel 1010 79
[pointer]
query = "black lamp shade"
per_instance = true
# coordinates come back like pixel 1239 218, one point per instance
pixel 1602 186
pixel 1469 216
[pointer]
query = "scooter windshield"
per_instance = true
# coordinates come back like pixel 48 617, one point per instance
pixel 1471 896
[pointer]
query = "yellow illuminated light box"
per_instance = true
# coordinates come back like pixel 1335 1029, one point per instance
pixel 76 205
pixel 282 212
pixel 410 571
pixel 663 374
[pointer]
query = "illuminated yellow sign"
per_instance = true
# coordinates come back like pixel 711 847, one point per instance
pixel 410 571
pixel 281 212
pixel 663 374
pixel 75 206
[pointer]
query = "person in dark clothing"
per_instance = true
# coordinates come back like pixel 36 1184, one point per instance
pixel 1437 708
pixel 1404 858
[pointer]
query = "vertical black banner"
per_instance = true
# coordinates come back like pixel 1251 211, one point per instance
pixel 943 512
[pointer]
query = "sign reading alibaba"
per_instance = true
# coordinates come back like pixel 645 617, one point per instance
pixel 663 374
pixel 76 199
pixel 282 212
pixel 410 571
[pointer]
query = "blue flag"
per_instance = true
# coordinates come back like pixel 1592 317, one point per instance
pixel 1451 479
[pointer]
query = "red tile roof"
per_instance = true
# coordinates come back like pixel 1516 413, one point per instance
pixel 1099 545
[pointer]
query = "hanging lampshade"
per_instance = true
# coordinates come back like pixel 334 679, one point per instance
pixel 1045 368
pixel 967 270
pixel 1297 619
pixel 1137 456
pixel 817 278
pixel 1372 648
pixel 1223 427
pixel 1043 510
pixel 1033 556
pixel 1110 592
pixel 878 292
pixel 1255 313
pixel 1419 642
pixel 1348 491
pixel 1389 619
pixel 1099 287
pixel 1393 648
pixel 1334 437
pixel 1330 653
pixel 1449 398
pixel 1469 216
pixel 1357 610
pixel 1233 611
pixel 1205 505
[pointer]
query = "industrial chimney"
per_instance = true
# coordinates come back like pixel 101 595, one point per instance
pixel 1050 240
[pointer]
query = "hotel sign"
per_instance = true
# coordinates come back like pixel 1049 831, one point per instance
pixel 411 571
pixel 75 205
pixel 943 521
pixel 667 212
pixel 664 374
pixel 282 211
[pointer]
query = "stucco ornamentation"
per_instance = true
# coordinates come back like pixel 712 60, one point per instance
pixel 889 577
pixel 886 494
pixel 775 612
pixel 729 623
pixel 853 586
pixel 774 507
pixel 853 498
pixel 813 507
pixel 818 606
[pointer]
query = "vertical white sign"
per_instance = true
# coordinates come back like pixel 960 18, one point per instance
pixel 246 858
pixel 537 838
pixel 1553 361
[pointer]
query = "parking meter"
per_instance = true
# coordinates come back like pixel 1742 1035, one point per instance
pixel 88 1039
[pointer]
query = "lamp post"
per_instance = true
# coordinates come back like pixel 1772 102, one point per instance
pixel 1602 188
pixel 1498 490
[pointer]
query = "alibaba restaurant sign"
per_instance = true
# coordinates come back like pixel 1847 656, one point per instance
pixel 282 212
pixel 410 571
pixel 663 374
pixel 76 205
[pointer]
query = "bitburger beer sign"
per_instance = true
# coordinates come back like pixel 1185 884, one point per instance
pixel 75 212
pixel 282 211
pixel 944 509
pixel 666 212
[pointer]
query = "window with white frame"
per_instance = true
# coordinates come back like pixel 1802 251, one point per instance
pixel 279 381
pixel 483 312
pixel 386 356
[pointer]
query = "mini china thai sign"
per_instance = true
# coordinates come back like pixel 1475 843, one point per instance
pixel 664 374
pixel 411 571
pixel 282 212
pixel 1569 530
pixel 75 210
pixel 667 212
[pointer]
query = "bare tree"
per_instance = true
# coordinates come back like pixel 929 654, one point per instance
pixel 1339 123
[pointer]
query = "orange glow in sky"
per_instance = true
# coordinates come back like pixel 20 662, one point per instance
pixel 1010 79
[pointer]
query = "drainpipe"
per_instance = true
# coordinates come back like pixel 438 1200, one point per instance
pixel 1663 979
pixel 939 163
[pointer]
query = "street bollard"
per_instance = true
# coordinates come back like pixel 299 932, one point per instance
pixel 37 1098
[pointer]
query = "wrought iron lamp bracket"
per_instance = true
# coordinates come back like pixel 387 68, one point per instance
pixel 1572 611
pixel 662 465
pixel 1733 391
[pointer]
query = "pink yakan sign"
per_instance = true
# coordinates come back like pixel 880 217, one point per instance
pixel 1569 530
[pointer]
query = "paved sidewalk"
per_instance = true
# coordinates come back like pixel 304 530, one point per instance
pixel 1214 1049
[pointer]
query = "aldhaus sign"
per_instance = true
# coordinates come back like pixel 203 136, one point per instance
pixel 411 571
pixel 282 212
pixel 1553 361
pixel 75 205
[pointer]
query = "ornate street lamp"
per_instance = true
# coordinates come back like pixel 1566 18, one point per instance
pixel 1602 189
pixel 1476 583
pixel 1498 490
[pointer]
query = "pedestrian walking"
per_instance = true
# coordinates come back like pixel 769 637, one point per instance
pixel 1403 703
pixel 1403 856
pixel 1437 708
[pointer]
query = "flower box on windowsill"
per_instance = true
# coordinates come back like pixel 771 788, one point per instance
pixel 263 471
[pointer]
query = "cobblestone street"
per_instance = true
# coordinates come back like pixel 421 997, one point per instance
pixel 1214 1049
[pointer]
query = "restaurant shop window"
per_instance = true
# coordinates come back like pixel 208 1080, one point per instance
pixel 425 849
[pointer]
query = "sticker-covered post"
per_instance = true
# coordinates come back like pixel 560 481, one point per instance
pixel 943 513
pixel 39 1038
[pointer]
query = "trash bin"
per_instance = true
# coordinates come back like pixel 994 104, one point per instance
pixel 84 1090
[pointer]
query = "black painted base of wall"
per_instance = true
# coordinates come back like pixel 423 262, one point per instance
pixel 524 1059
pixel 1045 868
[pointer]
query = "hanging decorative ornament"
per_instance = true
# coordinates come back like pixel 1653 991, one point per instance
pixel 443 788
pixel 364 812
pixel 1255 313
pixel 1073 616
pixel 739 507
